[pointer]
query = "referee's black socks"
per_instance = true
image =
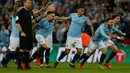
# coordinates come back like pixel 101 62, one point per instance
pixel 26 58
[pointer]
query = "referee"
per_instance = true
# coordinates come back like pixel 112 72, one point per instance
pixel 24 21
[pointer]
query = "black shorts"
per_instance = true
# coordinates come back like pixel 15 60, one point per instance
pixel 26 43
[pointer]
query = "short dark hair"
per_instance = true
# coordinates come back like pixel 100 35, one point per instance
pixel 81 7
pixel 26 0
pixel 115 15
pixel 50 12
pixel 109 18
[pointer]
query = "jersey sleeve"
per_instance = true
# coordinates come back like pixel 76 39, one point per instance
pixel 41 22
pixel 103 33
pixel 118 31
pixel 70 16
pixel 18 17
pixel 87 21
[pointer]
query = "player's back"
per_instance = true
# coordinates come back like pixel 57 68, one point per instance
pixel 101 33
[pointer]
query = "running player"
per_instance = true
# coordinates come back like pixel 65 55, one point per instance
pixel 50 7
pixel 44 37
pixel 74 35
pixel 109 43
pixel 14 37
pixel 101 34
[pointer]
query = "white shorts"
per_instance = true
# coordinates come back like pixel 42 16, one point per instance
pixel 108 43
pixel 92 46
pixel 42 40
pixel 14 43
pixel 73 42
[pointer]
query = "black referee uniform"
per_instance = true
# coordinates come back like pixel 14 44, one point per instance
pixel 24 18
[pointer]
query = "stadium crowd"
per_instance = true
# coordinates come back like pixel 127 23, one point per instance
pixel 96 11
pixel 80 12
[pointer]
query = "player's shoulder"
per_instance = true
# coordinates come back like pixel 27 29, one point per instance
pixel 21 9
pixel 73 13
pixel 102 25
pixel 43 19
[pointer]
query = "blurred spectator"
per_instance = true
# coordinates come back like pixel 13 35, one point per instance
pixel 60 9
pixel 127 31
pixel 66 12
pixel 96 10
pixel 4 35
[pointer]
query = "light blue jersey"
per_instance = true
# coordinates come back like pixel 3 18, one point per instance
pixel 45 28
pixel 4 36
pixel 101 34
pixel 15 31
pixel 116 29
pixel 76 25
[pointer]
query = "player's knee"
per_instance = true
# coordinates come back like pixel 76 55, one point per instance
pixel 88 54
pixel 79 50
pixel 67 51
pixel 116 50
pixel 4 50
pixel 104 50
pixel 44 45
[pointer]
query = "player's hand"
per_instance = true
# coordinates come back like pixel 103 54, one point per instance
pixel 43 9
pixel 23 34
pixel 122 38
pixel 33 21
pixel 56 17
pixel 46 12
pixel 124 34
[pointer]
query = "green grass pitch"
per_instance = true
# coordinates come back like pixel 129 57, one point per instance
pixel 64 68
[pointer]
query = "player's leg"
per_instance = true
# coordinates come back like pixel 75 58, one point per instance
pixel 68 46
pixel 102 48
pixel 91 48
pixel 114 49
pixel 40 50
pixel 78 45
pixel 25 47
pixel 45 43
pixel 19 57
pixel 47 52
pixel 63 54
pixel 14 43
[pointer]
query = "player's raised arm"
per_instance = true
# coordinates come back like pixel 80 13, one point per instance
pixel 36 11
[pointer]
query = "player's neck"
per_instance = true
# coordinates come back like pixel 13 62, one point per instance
pixel 47 18
pixel 26 8
pixel 79 15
